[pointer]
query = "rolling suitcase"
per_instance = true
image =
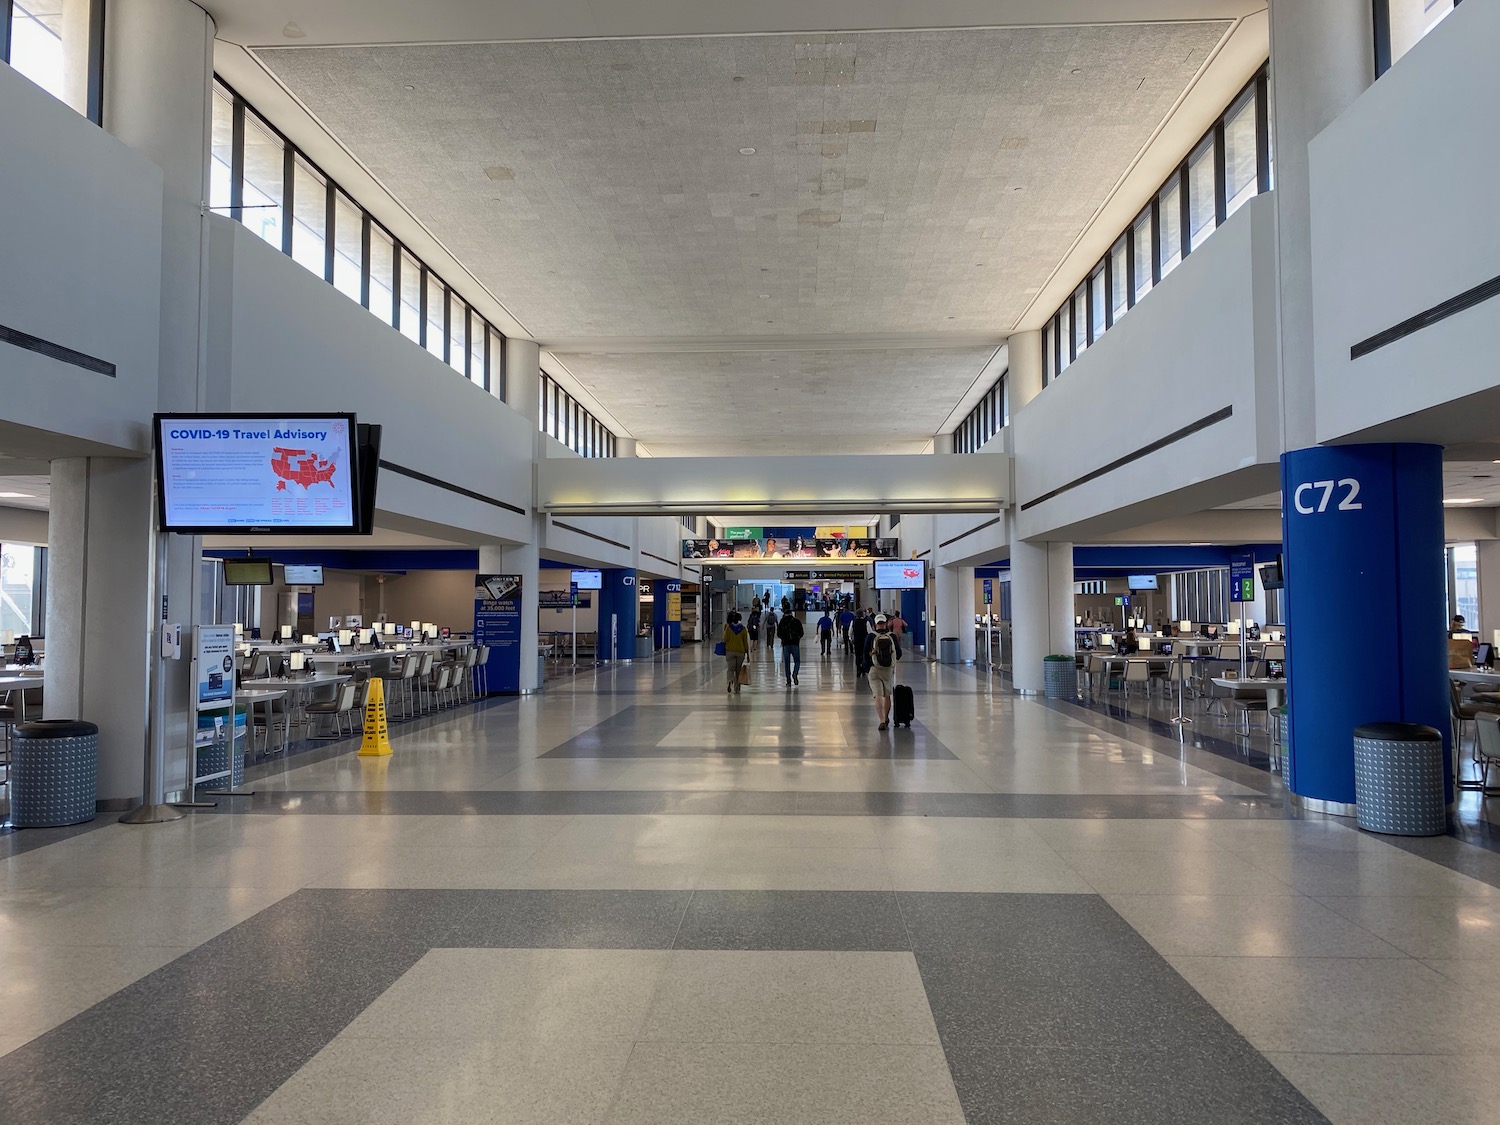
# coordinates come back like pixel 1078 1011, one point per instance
pixel 904 707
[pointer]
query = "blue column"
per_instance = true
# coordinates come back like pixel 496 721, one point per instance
pixel 914 611
pixel 1362 528
pixel 673 628
pixel 617 597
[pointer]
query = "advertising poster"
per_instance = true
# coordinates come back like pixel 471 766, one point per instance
pixel 291 473
pixel 215 663
pixel 497 623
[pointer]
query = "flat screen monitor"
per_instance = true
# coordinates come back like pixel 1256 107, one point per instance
pixel 1276 669
pixel 247 572
pixel 304 575
pixel 588 579
pixel 1484 655
pixel 1142 581
pixel 1166 648
pixel 900 574
pixel 1270 576
pixel 293 474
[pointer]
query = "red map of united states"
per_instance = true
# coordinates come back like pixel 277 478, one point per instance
pixel 301 467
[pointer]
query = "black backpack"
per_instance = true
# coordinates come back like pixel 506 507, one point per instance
pixel 885 650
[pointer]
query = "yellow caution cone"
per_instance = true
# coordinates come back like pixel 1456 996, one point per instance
pixel 377 739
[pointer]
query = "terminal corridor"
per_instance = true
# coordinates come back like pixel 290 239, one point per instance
pixel 631 899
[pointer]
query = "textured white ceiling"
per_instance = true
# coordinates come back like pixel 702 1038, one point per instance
pixel 904 183
pixel 781 402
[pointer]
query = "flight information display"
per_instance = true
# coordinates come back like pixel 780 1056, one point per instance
pixel 900 574
pixel 285 473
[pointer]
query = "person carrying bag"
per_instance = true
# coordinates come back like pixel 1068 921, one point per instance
pixel 736 645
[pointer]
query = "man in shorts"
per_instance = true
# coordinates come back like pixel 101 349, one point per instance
pixel 882 653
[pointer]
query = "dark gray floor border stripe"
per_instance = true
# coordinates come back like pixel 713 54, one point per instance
pixel 745 802
pixel 1050 1007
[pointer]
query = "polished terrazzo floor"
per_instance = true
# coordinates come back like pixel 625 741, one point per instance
pixel 635 899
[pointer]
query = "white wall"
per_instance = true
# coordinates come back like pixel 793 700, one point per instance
pixel 1202 340
pixel 82 253
pixel 1403 196
pixel 286 340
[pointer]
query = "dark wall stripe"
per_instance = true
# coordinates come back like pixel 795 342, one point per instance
pixel 971 531
pixel 16 338
pixel 591 535
pixel 403 471
pixel 658 558
pixel 1451 307
pixel 1146 450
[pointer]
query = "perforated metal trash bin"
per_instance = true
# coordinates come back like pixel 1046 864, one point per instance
pixel 1399 779
pixel 948 650
pixel 1059 677
pixel 54 773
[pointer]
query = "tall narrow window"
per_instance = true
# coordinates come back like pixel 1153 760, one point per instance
pixel 1080 321
pixel 478 337
pixel 1171 225
pixel 437 328
pixel 36 44
pixel 411 297
pixel 1145 257
pixel 265 198
pixel 221 152
pixel 1047 352
pixel 497 365
pixel 382 273
pixel 1097 305
pixel 1202 203
pixel 1409 21
pixel 1064 336
pixel 348 243
pixel 458 334
pixel 310 217
pixel 1240 163
pixel 1119 283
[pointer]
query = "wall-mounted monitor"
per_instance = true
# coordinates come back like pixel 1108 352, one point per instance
pixel 1270 576
pixel 304 575
pixel 588 579
pixel 292 474
pixel 900 574
pixel 247 572
pixel 1142 581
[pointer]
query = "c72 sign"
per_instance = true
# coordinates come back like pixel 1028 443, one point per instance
pixel 1312 497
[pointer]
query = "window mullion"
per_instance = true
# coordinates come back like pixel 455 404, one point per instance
pixel 330 213
pixel 422 308
pixel 288 195
pixel 447 324
pixel 1156 240
pixel 1184 211
pixel 1263 132
pixel 1221 177
pixel 237 159
pixel 5 18
pixel 94 94
pixel 364 254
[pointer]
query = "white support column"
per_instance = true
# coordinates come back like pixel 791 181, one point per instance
pixel 1041 598
pixel 624 447
pixel 963 612
pixel 1489 589
pixel 522 560
pixel 99 638
pixel 942 443
pixel 1322 58
pixel 523 377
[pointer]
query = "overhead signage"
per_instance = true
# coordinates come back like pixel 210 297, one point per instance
pixel 674 602
pixel 1242 576
pixel 744 532
pixel 588 579
pixel 895 574
pixel 838 575
pixel 793 547
pixel 563 599
pixel 288 473
pixel 796 575
pixel 989 591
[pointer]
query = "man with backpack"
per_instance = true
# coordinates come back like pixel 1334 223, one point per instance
pixel 881 654
pixel 789 632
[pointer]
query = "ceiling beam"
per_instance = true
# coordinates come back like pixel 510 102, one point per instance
pixel 657 345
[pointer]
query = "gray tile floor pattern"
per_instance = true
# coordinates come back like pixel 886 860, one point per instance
pixel 1065 917
pixel 1048 1009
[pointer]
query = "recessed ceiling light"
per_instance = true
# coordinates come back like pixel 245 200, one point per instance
pixel 409 87
pixel 292 31
pixel 17 496
pixel 747 152
pixel 1465 500
pixel 765 296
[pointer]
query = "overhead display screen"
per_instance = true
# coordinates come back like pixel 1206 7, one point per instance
pixel 304 575
pixel 900 574
pixel 288 473
pixel 588 579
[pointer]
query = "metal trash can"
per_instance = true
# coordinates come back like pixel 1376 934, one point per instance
pixel 1059 677
pixel 1399 779
pixel 54 773
pixel 948 650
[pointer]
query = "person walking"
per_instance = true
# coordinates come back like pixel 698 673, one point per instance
pixel 789 632
pixel 846 621
pixel 898 624
pixel 825 632
pixel 882 654
pixel 858 631
pixel 768 628
pixel 736 649
pixel 754 624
